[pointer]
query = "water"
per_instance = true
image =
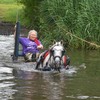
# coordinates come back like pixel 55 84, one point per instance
pixel 19 81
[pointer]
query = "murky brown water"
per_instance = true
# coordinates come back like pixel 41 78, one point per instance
pixel 19 81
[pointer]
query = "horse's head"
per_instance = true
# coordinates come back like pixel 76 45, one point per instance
pixel 57 51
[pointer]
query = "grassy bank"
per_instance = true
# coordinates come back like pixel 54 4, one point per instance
pixel 9 10
pixel 7 1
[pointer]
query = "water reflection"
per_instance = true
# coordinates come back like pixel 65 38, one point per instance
pixel 6 84
pixel 39 85
pixel 54 84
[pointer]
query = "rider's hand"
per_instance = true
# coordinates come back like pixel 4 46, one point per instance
pixel 40 47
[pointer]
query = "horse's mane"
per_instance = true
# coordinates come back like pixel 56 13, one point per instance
pixel 56 44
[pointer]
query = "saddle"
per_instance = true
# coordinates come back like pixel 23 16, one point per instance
pixel 45 54
pixel 41 59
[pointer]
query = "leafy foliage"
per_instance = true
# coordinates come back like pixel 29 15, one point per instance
pixel 31 12
pixel 55 18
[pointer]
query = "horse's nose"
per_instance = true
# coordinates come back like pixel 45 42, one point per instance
pixel 57 60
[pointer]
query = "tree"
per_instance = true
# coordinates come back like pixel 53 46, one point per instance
pixel 31 12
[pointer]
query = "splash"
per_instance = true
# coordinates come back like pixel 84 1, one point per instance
pixel 7 47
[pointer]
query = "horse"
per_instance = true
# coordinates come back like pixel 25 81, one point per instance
pixel 53 58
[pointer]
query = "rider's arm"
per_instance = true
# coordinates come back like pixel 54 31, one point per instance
pixel 23 41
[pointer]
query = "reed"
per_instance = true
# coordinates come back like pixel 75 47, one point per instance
pixel 80 17
pixel 53 19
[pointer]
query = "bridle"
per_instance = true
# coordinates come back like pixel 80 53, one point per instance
pixel 57 57
pixel 52 51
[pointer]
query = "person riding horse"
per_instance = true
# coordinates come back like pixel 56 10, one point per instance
pixel 53 58
pixel 31 46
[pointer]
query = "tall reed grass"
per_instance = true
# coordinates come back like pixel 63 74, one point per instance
pixel 80 17
pixel 55 18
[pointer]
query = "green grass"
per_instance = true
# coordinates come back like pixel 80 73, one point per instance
pixel 7 1
pixel 9 10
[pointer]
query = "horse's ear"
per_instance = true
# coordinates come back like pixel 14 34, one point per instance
pixel 54 41
pixel 62 42
pixel 49 46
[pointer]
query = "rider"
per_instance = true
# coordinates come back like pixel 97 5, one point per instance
pixel 31 46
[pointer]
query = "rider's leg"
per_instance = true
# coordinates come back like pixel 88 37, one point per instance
pixel 28 57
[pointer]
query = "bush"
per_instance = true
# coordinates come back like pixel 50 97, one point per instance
pixel 55 18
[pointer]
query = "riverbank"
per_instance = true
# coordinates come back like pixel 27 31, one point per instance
pixel 7 28
pixel 8 12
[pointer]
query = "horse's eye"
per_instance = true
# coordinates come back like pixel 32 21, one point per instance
pixel 63 52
